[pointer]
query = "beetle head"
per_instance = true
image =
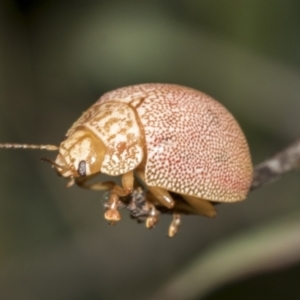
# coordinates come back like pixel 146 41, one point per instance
pixel 80 154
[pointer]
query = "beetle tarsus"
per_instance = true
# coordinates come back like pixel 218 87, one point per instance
pixel 150 222
pixel 70 182
pixel 152 218
pixel 174 226
pixel 112 214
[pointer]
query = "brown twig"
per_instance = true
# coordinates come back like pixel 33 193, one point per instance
pixel 280 164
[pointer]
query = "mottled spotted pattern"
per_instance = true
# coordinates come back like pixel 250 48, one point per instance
pixel 194 145
pixel 116 125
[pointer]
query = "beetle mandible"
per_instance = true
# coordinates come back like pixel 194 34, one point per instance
pixel 171 138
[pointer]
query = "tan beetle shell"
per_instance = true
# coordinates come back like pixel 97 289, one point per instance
pixel 191 143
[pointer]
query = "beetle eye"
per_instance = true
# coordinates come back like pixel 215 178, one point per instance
pixel 82 168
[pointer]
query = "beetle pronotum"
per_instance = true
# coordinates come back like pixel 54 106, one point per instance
pixel 171 138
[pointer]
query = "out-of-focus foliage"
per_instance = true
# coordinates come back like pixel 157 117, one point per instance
pixel 57 58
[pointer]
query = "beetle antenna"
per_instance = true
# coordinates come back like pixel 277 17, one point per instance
pixel 53 163
pixel 27 146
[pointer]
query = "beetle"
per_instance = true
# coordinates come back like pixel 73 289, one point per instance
pixel 173 139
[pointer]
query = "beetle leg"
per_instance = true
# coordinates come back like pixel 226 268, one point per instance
pixel 174 226
pixel 127 185
pixel 160 194
pixel 201 206
pixel 164 198
pixel 152 218
pixel 112 214
pixel 98 186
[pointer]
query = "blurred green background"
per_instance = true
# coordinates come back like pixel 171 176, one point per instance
pixel 56 59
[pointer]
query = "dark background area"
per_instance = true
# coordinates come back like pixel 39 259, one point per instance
pixel 56 59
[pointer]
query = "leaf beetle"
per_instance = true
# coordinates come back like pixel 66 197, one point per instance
pixel 172 138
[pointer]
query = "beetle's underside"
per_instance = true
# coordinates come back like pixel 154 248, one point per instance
pixel 146 205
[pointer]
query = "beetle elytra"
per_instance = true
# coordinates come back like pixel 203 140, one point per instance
pixel 173 139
